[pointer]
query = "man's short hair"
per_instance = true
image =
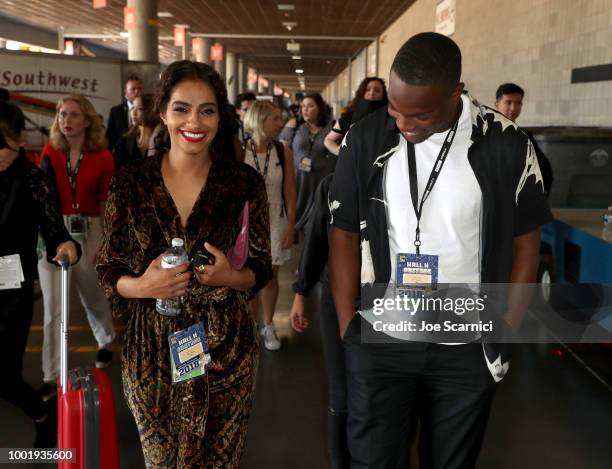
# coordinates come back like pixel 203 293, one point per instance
pixel 248 96
pixel 133 78
pixel 428 58
pixel 509 88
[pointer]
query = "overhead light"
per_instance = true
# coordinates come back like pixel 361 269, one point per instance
pixel 293 46
pixel 296 57
pixel 124 34
pixel 164 14
pixel 286 6
pixel 289 25
pixel 299 70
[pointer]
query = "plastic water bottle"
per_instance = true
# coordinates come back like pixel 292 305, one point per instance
pixel 607 227
pixel 174 256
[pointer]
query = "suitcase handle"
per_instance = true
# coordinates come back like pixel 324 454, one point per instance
pixel 65 305
pixel 64 262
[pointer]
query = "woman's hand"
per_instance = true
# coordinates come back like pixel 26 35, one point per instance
pixel 219 274
pixel 68 249
pixel 296 316
pixel 289 237
pixel 158 282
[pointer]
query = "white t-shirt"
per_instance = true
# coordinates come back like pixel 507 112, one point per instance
pixel 450 221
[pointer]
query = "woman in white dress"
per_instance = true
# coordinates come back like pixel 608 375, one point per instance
pixel 274 161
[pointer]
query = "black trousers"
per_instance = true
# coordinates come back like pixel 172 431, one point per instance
pixel 394 386
pixel 333 354
pixel 16 309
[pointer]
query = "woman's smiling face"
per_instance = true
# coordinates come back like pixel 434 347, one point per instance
pixel 192 117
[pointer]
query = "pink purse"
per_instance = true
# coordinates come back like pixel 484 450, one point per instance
pixel 239 252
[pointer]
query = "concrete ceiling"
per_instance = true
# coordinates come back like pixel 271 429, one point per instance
pixel 321 59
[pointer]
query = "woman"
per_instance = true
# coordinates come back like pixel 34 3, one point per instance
pixel 27 201
pixel 310 156
pixel 192 190
pixel 77 160
pixel 274 161
pixel 135 143
pixel 370 95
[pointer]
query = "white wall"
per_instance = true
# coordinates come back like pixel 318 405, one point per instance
pixel 535 43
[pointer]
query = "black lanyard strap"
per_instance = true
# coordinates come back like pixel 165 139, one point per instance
pixel 266 164
pixel 433 177
pixel 72 177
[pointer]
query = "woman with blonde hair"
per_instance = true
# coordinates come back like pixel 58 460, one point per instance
pixel 274 161
pixel 78 160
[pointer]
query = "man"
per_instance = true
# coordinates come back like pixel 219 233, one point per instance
pixel 120 118
pixel 509 101
pixel 243 104
pixel 479 223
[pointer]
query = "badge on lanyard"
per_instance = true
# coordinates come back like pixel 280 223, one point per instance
pixel 418 273
pixel 189 353
pixel 415 274
pixel 77 226
pixel 11 272
pixel 306 164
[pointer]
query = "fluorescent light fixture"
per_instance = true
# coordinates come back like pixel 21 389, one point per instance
pixel 293 47
pixel 299 70
pixel 286 6
pixel 164 14
pixel 124 34
pixel 296 57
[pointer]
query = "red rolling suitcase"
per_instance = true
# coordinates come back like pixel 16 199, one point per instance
pixel 86 409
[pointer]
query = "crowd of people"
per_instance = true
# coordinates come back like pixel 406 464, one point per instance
pixel 184 163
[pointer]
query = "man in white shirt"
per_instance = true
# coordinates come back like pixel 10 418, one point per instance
pixel 436 189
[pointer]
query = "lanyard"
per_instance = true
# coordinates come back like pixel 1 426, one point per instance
pixel 72 177
pixel 267 163
pixel 433 177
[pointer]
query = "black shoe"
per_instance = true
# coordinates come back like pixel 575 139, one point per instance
pixel 47 392
pixel 46 430
pixel 103 358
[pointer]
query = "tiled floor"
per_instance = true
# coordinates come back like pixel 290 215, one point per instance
pixel 548 413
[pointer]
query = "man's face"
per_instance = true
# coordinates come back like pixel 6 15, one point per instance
pixel 133 88
pixel 510 105
pixel 244 107
pixel 422 110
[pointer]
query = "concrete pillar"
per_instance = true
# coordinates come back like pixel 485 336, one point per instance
pixel 218 64
pixel 253 86
pixel 143 40
pixel 198 49
pixel 60 39
pixel 242 71
pixel 186 49
pixel 231 76
pixel 206 44
pixel 223 66
pixel 202 53
pixel 350 80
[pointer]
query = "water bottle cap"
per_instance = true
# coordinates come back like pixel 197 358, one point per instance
pixel 177 242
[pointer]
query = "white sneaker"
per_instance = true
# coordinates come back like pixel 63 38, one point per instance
pixel 271 341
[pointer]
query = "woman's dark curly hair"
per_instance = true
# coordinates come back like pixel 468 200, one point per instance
pixel 361 91
pixel 184 70
pixel 323 119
